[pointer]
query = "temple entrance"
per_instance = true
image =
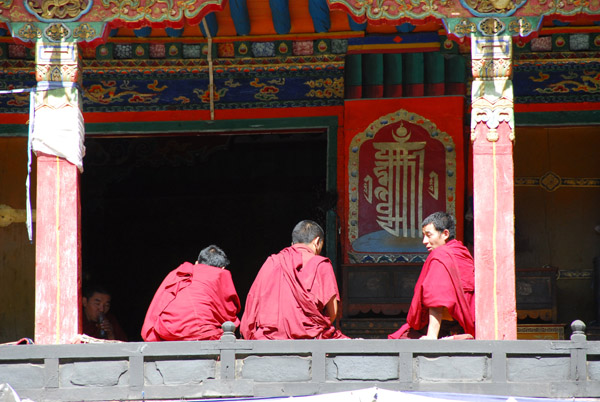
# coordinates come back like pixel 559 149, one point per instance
pixel 151 203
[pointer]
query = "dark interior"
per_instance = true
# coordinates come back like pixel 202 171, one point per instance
pixel 151 203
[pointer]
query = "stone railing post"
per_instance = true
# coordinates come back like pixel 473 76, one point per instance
pixel 228 353
pixel 578 351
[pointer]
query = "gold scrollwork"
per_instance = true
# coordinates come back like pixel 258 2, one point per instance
pixel 57 32
pixel 84 32
pixel 58 9
pixel 464 27
pixel 29 32
pixel 493 6
pixel 491 26
pixel 520 27
pixel 5 3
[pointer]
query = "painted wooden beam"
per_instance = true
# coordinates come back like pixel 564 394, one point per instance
pixel 434 74
pixel 280 12
pixel 239 14
pixel 372 75
pixel 392 75
pixel 319 11
pixel 353 76
pixel 414 74
pixel 456 74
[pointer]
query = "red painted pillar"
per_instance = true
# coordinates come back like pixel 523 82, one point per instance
pixel 58 251
pixel 58 238
pixel 492 134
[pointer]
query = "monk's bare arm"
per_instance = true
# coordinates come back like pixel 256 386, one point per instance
pixel 435 321
pixel 331 308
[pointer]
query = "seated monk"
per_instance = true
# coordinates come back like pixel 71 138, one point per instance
pixel 295 294
pixel 443 304
pixel 97 320
pixel 193 301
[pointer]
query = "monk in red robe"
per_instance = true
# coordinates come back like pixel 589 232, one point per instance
pixel 443 304
pixel 97 320
pixel 193 301
pixel 295 294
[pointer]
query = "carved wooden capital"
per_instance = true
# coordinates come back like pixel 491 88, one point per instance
pixel 492 91
pixel 491 57
pixel 57 62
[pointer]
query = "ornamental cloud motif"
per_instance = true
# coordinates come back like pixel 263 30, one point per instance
pixel 66 10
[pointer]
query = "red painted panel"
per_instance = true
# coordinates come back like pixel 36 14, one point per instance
pixel 370 126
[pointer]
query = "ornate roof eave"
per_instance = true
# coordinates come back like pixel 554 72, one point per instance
pixel 90 21
pixel 462 18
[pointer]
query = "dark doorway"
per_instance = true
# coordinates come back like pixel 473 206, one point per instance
pixel 151 203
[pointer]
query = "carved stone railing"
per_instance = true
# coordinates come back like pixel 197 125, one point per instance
pixel 239 368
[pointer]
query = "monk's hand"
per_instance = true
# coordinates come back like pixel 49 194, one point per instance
pixel 108 328
pixel 428 337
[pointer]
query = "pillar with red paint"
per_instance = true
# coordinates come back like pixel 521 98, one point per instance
pixel 58 239
pixel 492 133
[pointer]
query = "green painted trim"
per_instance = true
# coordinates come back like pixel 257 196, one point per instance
pixel 129 128
pixel 567 118
pixel 14 130
pixel 213 126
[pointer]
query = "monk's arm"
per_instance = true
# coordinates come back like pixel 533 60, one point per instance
pixel 435 321
pixel 331 308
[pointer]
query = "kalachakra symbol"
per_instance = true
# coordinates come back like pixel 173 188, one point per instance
pixel 58 9
pixel 399 168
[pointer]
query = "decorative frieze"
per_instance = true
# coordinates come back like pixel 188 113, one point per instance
pixel 492 92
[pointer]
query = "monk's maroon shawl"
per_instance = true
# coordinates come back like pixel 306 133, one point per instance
pixel 446 280
pixel 287 298
pixel 192 303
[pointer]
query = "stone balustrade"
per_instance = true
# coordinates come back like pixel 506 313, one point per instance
pixel 238 368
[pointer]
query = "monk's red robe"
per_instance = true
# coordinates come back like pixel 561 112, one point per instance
pixel 288 296
pixel 191 304
pixel 447 280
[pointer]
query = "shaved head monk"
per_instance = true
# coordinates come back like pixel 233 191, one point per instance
pixel 193 301
pixel 295 294
pixel 443 304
